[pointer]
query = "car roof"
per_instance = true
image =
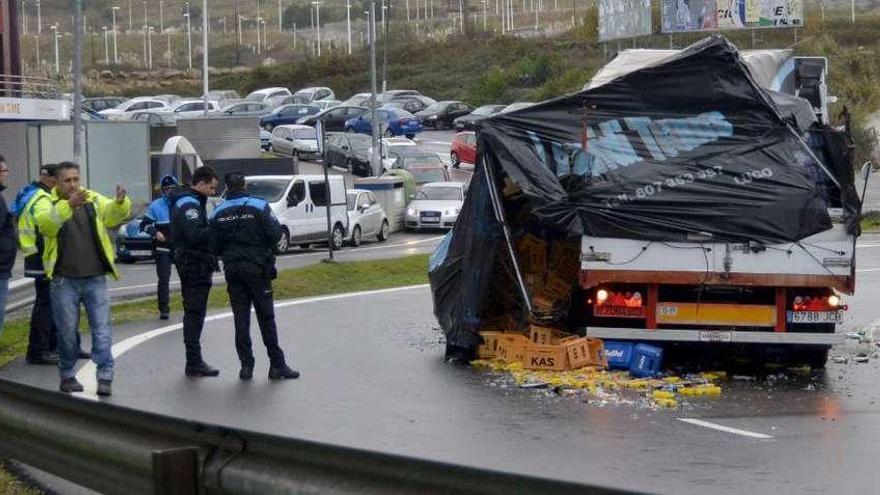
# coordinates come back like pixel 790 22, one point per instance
pixel 443 184
pixel 295 127
pixel 268 90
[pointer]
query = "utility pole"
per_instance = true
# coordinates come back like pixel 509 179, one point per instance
pixel 130 23
pixel 239 30
pixel 460 16
pixel 161 18
pixel 106 47
pixel 259 40
pixel 384 53
pixel 294 37
pixel 115 51
pixel 376 165
pixel 77 81
pixel 205 54
pixel 348 22
pixel 39 19
pixel 317 5
pixel 189 40
pixel 853 10
pixel 407 10
pixel 279 16
pixel 54 28
pixel 145 34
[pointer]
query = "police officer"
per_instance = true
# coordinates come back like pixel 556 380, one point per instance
pixel 195 264
pixel 157 223
pixel 244 232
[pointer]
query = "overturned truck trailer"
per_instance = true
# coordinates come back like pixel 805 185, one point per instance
pixel 697 195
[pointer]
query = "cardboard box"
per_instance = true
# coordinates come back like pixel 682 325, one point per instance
pixel 545 357
pixel 585 351
pixel 489 347
pixel 545 335
pixel 558 287
pixel 510 347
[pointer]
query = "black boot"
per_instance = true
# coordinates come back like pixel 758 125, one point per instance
pixel 201 369
pixel 105 388
pixel 44 358
pixel 283 373
pixel 70 385
pixel 247 372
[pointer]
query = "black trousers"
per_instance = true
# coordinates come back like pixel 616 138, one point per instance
pixel 248 286
pixel 195 287
pixel 43 335
pixel 163 272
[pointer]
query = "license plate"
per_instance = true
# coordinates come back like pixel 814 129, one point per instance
pixel 618 312
pixel 715 336
pixel 430 219
pixel 815 316
pixel 140 252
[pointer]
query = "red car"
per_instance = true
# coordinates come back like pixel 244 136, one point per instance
pixel 464 148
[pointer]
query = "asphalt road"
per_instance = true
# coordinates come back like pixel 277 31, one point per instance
pixel 374 377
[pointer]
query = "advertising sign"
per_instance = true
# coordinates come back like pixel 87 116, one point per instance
pixel 708 15
pixel 624 19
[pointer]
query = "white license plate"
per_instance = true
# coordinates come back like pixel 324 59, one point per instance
pixel 140 252
pixel 431 220
pixel 715 336
pixel 815 317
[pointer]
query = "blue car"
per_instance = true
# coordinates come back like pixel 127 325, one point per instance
pixel 393 122
pixel 287 114
pixel 132 244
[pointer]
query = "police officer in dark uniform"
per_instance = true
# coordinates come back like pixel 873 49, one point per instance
pixel 244 233
pixel 157 223
pixel 195 264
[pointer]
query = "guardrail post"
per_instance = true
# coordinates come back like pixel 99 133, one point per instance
pixel 176 471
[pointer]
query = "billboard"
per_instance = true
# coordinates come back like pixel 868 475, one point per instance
pixel 624 19
pixel 708 15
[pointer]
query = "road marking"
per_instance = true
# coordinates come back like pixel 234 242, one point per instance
pixel 866 270
pixel 86 374
pixel 860 246
pixel 726 429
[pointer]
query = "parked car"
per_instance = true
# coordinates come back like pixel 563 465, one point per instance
pixel 325 104
pixel 287 114
pixel 167 97
pixel 441 114
pixel 308 95
pixel 423 100
pixel 299 202
pixel 393 123
pixel 361 100
pixel 123 110
pixel 429 173
pixel 408 104
pixel 419 159
pixel 295 140
pixel 334 118
pixel 155 119
pixel 366 217
pixel 191 108
pixel 223 97
pixel 245 108
pixel 435 205
pixel 349 151
pixel 265 139
pixel 132 244
pixel 468 122
pixel 101 103
pixel 261 95
pixel 464 148
pixel 394 93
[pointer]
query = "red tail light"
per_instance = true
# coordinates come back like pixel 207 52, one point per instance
pixel 817 302
pixel 619 299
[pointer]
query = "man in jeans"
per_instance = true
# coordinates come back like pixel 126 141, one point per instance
pixel 78 256
pixel 8 243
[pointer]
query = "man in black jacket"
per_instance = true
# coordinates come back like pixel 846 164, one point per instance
pixel 8 243
pixel 244 232
pixel 195 264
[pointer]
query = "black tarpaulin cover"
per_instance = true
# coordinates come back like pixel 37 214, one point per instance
pixel 688 149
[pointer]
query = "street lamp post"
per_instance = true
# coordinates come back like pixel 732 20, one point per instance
pixel 294 37
pixel 39 19
pixel 115 51
pixel 150 46
pixel 239 30
pixel 460 16
pixel 317 5
pixel 259 40
pixel 348 20
pixel 485 4
pixel 106 46
pixel 279 16
pixel 205 55
pixel 54 28
pixel 189 44
pixel 130 24
pixel 374 156
pixel 161 19
pixel 145 34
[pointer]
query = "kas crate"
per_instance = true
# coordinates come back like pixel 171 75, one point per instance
pixel 510 347
pixel 646 361
pixel 584 351
pixel 545 335
pixel 489 347
pixel 544 357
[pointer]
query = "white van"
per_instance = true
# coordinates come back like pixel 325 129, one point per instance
pixel 299 202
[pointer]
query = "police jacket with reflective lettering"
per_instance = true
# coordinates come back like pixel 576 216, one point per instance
pixel 244 229
pixel 189 225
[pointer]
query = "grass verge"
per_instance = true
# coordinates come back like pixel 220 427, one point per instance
pixel 314 280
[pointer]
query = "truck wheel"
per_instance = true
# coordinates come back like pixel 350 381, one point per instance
pixel 338 237
pixel 283 243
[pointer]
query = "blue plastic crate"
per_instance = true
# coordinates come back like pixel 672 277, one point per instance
pixel 646 361
pixel 619 354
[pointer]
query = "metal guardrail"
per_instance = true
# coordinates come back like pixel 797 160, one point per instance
pixel 114 449
pixel 29 87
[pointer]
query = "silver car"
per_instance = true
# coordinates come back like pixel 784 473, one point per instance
pixel 436 205
pixel 366 217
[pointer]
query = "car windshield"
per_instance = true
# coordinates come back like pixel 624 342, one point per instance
pixel 425 175
pixel 269 189
pixel 435 107
pixel 350 200
pixel 407 161
pixel 487 110
pixel 305 134
pixel 439 193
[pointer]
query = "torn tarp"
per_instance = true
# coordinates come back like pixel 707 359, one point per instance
pixel 689 149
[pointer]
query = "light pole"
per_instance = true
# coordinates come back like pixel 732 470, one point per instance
pixel 460 16
pixel 54 28
pixel 106 47
pixel 115 51
pixel 376 165
pixel 294 37
pixel 189 42
pixel 265 36
pixel 279 16
pixel 317 5
pixel 852 5
pixel 161 19
pixel 130 24
pixel 150 47
pixel 77 80
pixel 259 40
pixel 485 4
pixel 348 21
pixel 239 30
pixel 145 34
pixel 407 10
pixel 39 19
pixel 205 55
